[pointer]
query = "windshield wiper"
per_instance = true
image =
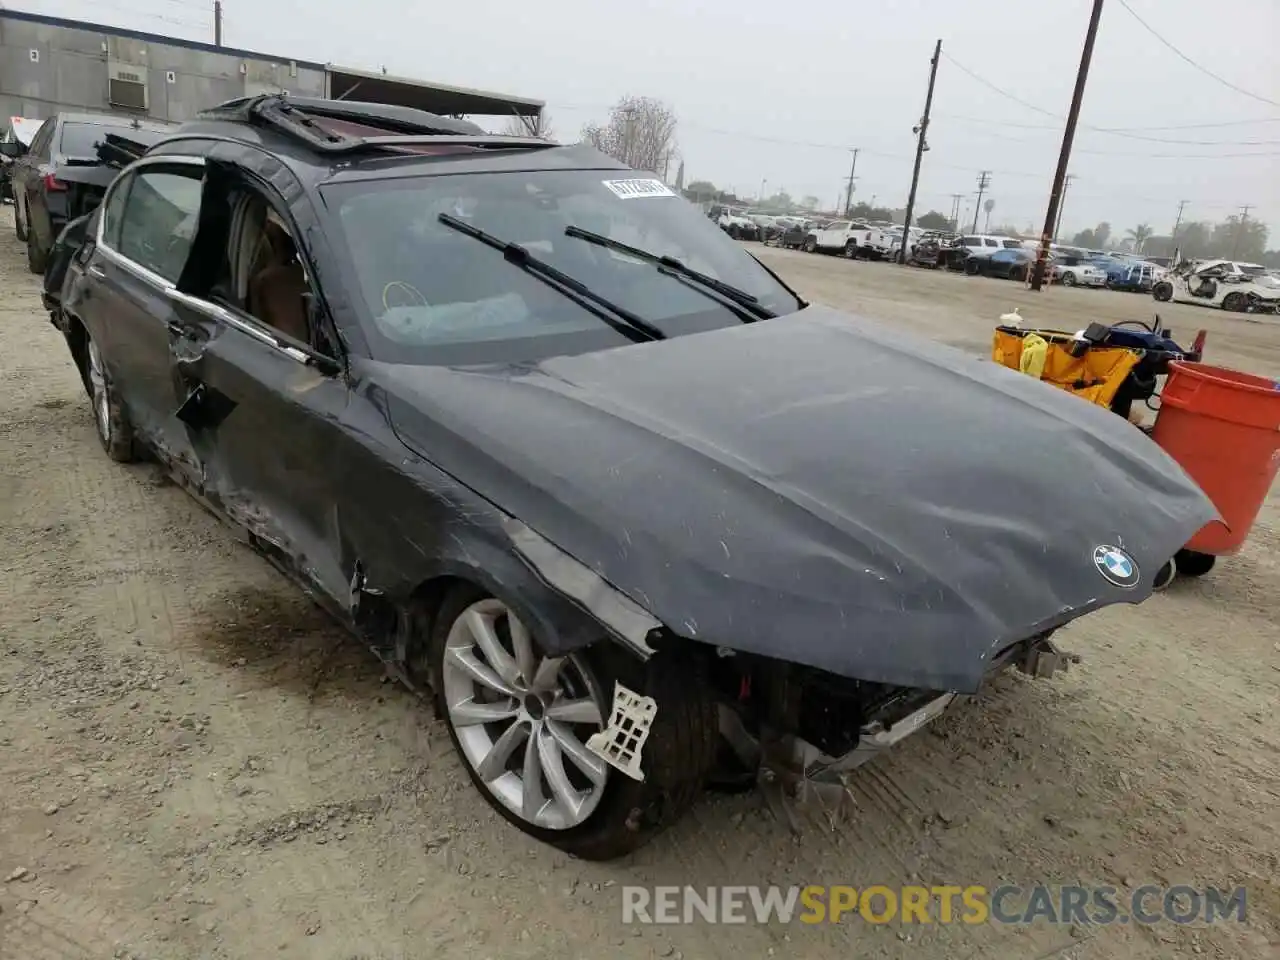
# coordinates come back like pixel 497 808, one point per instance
pixel 623 320
pixel 746 306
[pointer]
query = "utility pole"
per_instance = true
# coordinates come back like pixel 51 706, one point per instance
pixel 1057 228
pixel 217 23
pixel 1064 155
pixel 848 190
pixel 1235 239
pixel 628 134
pixel 955 211
pixel 1177 222
pixel 984 181
pixel 922 145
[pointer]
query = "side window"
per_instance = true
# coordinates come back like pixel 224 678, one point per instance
pixel 268 280
pixel 158 221
pixel 112 209
pixel 988 242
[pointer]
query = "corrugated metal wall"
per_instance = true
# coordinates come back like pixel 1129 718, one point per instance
pixel 46 68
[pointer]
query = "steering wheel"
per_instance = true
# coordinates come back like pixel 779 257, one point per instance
pixel 399 293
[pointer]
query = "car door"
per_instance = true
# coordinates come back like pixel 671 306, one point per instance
pixel 261 406
pixel 833 235
pixel 143 240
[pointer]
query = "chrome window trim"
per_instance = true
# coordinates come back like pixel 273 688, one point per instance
pixel 168 287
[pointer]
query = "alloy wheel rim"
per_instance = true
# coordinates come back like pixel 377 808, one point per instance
pixel 98 387
pixel 521 719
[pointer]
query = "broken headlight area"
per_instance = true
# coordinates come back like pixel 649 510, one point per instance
pixel 797 731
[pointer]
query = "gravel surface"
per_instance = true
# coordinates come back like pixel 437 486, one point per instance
pixel 194 762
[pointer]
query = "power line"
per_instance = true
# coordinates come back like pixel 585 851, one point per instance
pixel 1179 126
pixel 1121 132
pixel 1205 70
pixel 1049 113
pixel 1159 156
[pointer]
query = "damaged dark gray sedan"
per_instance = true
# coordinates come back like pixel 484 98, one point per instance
pixel 635 515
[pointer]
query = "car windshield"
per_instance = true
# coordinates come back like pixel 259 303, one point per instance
pixel 78 139
pixel 436 296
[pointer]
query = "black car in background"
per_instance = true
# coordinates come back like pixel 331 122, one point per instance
pixel 62 174
pixel 572 460
pixel 1007 264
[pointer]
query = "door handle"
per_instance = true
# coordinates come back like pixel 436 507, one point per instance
pixel 96 271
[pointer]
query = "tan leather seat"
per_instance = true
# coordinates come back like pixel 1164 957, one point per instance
pixel 278 285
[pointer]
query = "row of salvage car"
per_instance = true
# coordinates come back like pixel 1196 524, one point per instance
pixel 1230 285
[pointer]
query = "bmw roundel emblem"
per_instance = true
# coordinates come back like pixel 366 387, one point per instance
pixel 1116 566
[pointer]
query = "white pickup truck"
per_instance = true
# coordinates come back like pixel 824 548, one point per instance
pixel 850 238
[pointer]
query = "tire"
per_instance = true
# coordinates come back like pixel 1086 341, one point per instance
pixel 971 269
pixel 621 814
pixel 1164 576
pixel 1191 563
pixel 1162 291
pixel 810 244
pixel 110 419
pixel 1018 274
pixel 19 219
pixel 1069 279
pixel 851 250
pixel 1235 302
pixel 37 259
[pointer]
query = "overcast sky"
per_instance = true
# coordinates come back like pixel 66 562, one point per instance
pixel 780 91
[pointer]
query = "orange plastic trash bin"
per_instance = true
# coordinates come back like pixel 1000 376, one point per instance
pixel 1223 427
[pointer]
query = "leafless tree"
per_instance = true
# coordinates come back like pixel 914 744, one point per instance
pixel 539 126
pixel 640 132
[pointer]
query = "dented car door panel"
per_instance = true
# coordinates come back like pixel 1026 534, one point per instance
pixel 263 426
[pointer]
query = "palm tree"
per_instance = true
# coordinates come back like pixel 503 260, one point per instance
pixel 1140 235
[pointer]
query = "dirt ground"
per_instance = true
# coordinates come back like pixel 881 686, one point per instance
pixel 194 762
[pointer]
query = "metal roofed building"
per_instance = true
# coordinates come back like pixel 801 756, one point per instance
pixel 48 64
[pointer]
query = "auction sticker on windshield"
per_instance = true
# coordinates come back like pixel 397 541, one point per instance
pixel 635 189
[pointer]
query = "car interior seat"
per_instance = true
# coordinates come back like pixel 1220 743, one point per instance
pixel 277 284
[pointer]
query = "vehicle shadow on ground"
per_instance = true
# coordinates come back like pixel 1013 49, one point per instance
pixel 280 638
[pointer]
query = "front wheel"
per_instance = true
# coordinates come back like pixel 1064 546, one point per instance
pixel 851 250
pixel 971 269
pixel 109 416
pixel 1235 302
pixel 810 244
pixel 521 720
pixel 1162 291
pixel 1069 279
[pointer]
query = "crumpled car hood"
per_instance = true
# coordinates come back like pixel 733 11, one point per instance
pixel 816 488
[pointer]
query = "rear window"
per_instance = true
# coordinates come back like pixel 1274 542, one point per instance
pixel 79 139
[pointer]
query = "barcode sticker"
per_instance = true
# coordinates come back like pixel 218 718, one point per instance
pixel 635 189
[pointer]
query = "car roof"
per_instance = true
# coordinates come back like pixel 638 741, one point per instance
pixel 115 120
pixel 388 142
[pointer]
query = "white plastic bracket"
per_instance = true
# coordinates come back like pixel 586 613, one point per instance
pixel 619 744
